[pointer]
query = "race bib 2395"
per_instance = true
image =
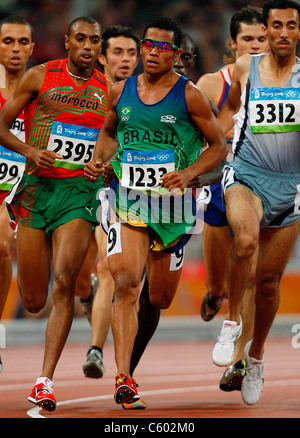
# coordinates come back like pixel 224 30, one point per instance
pixel 74 143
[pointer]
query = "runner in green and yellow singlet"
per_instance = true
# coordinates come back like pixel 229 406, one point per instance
pixel 154 128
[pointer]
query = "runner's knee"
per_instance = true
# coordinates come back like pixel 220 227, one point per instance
pixel 160 302
pixel 33 304
pixel 159 298
pixel 126 284
pixel 268 289
pixel 64 285
pixel 245 245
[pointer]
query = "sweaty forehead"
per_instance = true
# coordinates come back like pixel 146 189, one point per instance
pixel 283 15
pixel 253 30
pixel 121 42
pixel 15 31
pixel 82 27
pixel 160 34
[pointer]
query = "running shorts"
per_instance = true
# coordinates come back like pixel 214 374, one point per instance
pixel 279 192
pixel 214 213
pixel 170 219
pixel 46 203
pixel 3 194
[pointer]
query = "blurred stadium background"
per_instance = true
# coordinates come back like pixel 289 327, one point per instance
pixel 207 22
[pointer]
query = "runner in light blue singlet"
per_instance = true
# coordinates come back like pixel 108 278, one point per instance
pixel 266 147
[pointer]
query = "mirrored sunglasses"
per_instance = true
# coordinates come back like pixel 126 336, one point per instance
pixel 163 46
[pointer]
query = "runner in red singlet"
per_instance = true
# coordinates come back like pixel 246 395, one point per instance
pixel 65 106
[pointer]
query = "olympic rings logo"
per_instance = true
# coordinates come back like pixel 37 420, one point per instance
pixel 163 157
pixel 291 93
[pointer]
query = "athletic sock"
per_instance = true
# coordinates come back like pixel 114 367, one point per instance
pixel 95 347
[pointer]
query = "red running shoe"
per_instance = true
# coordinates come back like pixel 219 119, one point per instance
pixel 42 395
pixel 125 390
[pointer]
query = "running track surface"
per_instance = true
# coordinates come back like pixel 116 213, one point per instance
pixel 177 380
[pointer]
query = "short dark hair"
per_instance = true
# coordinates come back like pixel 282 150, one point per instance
pixel 166 23
pixel 279 4
pixel 248 15
pixel 89 20
pixel 16 19
pixel 116 31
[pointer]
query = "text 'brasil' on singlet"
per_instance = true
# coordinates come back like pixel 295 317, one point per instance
pixel 12 164
pixel 268 123
pixel 66 119
pixel 154 139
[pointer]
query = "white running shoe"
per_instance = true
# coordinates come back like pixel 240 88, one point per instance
pixel 223 351
pixel 253 382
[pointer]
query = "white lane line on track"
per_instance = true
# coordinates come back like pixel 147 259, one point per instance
pixel 107 380
pixel 35 412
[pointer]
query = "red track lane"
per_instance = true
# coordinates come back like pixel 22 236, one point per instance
pixel 177 380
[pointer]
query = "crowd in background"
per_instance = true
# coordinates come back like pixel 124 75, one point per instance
pixel 206 21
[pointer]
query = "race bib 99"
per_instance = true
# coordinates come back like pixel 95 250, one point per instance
pixel 12 165
pixel 274 110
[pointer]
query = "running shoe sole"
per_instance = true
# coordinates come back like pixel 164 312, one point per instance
pixel 136 405
pixel 232 378
pixel 47 404
pixel 124 394
pixel 92 370
pixel 233 384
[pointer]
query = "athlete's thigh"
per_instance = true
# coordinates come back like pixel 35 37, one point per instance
pixel 163 273
pixel 244 210
pixel 70 243
pixel 34 260
pixel 90 259
pixel 127 251
pixel 275 248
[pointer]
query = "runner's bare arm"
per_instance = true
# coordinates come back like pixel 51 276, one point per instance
pixel 107 142
pixel 233 101
pixel 27 90
pixel 208 178
pixel 212 85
